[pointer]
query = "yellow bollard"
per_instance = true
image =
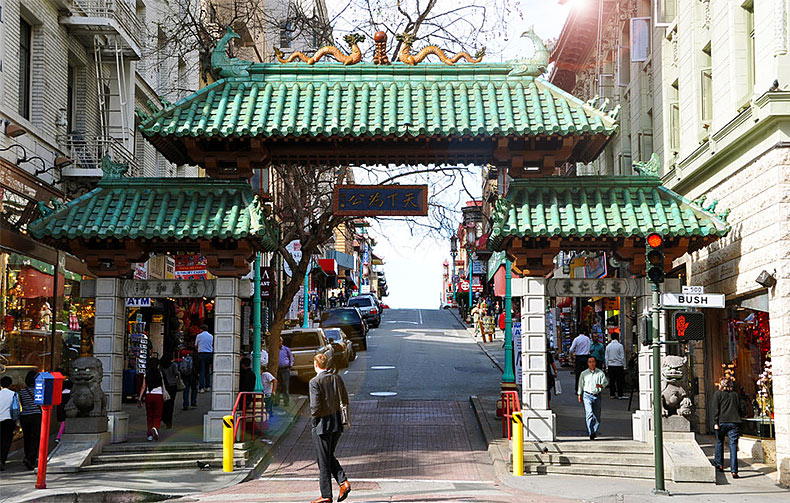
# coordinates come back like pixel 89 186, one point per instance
pixel 518 445
pixel 227 443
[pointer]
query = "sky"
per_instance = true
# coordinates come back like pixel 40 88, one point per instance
pixel 413 257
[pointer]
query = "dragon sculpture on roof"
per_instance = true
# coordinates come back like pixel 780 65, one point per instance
pixel 405 55
pixel 354 57
pixel 537 64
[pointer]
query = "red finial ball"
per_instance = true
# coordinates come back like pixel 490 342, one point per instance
pixel 379 37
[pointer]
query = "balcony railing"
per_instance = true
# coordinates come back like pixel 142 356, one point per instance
pixel 117 10
pixel 88 152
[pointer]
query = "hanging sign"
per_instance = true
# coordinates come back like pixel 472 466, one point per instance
pixel 267 283
pixel 138 302
pixel 378 200
pixel 603 287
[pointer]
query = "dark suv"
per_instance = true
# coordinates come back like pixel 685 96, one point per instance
pixel 350 321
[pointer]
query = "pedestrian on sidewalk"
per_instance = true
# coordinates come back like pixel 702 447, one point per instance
pixel 153 390
pixel 30 420
pixel 187 367
pixel 205 346
pixel 726 423
pixel 591 384
pixel 284 364
pixel 327 397
pixel 580 350
pixel 9 410
pixel 170 380
pixel 551 377
pixel 615 365
pixel 598 350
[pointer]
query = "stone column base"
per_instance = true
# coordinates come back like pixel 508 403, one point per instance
pixel 118 426
pixel 642 425
pixel 539 425
pixel 212 426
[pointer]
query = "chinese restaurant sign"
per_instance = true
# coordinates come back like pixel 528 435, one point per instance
pixel 604 287
pixel 381 200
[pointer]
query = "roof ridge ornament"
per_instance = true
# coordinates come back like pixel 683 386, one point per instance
pixel 224 66
pixel 649 167
pixel 537 64
pixel 113 169
pixel 405 55
pixel 352 58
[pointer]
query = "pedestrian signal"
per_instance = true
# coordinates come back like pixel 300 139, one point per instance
pixel 688 326
pixel 654 258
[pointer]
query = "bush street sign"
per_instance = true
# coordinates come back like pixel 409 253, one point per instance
pixel 715 300
pixel 376 200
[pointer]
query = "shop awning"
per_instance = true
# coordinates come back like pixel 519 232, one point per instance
pixel 21 260
pixel 343 259
pixel 328 265
pixel 496 261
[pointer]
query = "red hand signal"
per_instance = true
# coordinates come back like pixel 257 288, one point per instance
pixel 681 326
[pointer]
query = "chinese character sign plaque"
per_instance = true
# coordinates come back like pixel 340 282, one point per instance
pixel 381 200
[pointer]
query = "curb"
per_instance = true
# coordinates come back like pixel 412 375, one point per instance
pixel 261 464
pixel 495 451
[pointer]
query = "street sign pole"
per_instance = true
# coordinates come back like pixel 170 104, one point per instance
pixel 256 325
pixel 658 429
pixel 509 375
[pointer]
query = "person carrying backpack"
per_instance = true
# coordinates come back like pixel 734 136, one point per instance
pixel 9 414
pixel 189 375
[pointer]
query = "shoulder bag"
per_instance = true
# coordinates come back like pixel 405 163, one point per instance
pixel 345 417
pixel 165 394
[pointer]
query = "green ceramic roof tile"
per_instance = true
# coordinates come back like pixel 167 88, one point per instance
pixel 324 99
pixel 161 208
pixel 599 206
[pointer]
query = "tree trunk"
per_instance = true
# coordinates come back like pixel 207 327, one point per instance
pixel 278 321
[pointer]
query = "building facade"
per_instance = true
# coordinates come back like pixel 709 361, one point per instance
pixel 704 85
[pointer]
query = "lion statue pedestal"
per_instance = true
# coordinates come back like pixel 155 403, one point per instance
pixel 86 411
pixel 675 402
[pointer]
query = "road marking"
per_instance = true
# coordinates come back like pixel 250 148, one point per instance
pixel 397 481
pixel 383 393
pixel 420 313
pixel 403 321
pixel 382 367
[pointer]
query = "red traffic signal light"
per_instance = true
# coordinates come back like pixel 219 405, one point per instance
pixel 655 257
pixel 655 240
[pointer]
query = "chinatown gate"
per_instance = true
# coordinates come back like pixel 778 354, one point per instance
pixel 408 113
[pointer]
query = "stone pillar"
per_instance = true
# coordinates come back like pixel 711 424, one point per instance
pixel 539 421
pixel 227 345
pixel 108 335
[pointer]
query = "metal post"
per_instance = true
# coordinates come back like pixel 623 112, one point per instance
pixel 658 428
pixel 508 375
pixel 469 257
pixel 227 443
pixel 256 324
pixel 305 322
pixel 518 445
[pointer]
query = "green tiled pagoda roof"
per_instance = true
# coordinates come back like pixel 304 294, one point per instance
pixel 297 100
pixel 160 208
pixel 599 206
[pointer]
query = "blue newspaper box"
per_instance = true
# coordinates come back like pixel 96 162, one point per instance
pixel 49 388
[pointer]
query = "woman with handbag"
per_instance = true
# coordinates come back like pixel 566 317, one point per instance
pixel 171 378
pixel 9 414
pixel 155 396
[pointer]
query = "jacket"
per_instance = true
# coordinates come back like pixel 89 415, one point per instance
pixel 726 407
pixel 327 393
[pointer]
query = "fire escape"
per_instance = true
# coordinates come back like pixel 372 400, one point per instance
pixel 112 31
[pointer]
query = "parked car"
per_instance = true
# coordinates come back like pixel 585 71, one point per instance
pixel 305 343
pixel 350 321
pixel 368 307
pixel 342 347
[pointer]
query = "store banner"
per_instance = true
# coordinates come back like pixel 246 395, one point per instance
pixel 190 267
pixel 517 352
pixel 267 283
pixel 477 267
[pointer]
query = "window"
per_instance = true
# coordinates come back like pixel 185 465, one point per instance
pixel 71 89
pixel 706 88
pixel 302 340
pixel 624 58
pixel 664 12
pixel 674 118
pixel 286 34
pixel 750 48
pixel 25 50
pixel 640 38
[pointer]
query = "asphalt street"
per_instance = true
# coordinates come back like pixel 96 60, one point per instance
pixel 414 436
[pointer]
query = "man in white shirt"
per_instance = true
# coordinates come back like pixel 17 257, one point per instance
pixel 580 350
pixel 205 346
pixel 615 362
pixel 7 423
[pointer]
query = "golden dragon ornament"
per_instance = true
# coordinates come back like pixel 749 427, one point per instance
pixel 354 57
pixel 405 55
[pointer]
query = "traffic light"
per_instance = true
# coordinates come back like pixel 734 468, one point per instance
pixel 654 260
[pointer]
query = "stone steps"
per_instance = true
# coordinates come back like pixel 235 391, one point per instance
pixel 600 458
pixel 164 456
pixel 169 455
pixel 589 459
pixel 633 472
pixel 155 465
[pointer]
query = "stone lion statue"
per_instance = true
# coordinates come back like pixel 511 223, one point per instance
pixel 674 395
pixel 87 397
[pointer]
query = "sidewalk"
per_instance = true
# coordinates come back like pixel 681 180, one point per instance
pixel 150 485
pixel 757 483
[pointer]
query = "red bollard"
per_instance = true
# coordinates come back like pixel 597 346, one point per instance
pixel 43 447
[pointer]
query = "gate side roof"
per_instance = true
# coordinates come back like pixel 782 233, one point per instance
pixel 329 100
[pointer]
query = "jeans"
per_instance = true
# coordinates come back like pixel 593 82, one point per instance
pixel 592 412
pixel 191 389
pixel 732 431
pixel 283 383
pixel 31 429
pixel 7 428
pixel 167 408
pixel 616 380
pixel 205 362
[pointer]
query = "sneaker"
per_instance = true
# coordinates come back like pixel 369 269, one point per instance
pixel 156 434
pixel 201 390
pixel 623 398
pixel 150 438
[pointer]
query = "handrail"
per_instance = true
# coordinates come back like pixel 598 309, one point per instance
pixel 510 404
pixel 252 408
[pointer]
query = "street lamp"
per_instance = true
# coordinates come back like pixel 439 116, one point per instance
pixel 471 239
pixel 453 254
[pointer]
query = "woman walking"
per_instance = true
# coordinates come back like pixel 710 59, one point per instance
pixel 30 420
pixel 170 380
pixel 726 423
pixel 9 410
pixel 153 390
